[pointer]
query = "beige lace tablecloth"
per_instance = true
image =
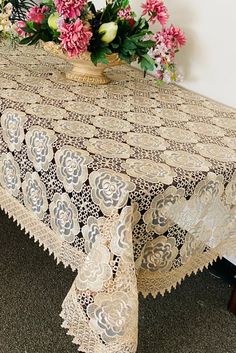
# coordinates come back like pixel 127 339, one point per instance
pixel 131 185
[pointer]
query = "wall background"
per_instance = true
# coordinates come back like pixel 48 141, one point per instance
pixel 208 60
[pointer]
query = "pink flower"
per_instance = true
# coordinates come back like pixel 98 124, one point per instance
pixel 36 14
pixel 19 28
pixel 176 36
pixel 157 10
pixel 126 13
pixel 172 37
pixel 70 8
pixel 75 37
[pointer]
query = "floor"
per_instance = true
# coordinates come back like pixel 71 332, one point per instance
pixel 192 319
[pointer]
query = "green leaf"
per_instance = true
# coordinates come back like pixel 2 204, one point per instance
pixel 147 63
pixel 124 4
pixel 145 44
pixel 35 39
pixel 26 40
pixel 115 45
pixel 49 3
pixel 129 44
pixel 100 56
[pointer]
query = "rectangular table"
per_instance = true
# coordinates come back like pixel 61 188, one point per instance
pixel 130 184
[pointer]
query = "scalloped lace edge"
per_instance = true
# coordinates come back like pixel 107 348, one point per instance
pixel 49 240
pixel 155 283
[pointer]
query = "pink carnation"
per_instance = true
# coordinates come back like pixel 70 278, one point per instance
pixel 125 13
pixel 19 28
pixel 157 10
pixel 75 37
pixel 173 37
pixel 36 14
pixel 70 8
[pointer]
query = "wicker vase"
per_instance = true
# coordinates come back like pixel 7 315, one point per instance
pixel 83 70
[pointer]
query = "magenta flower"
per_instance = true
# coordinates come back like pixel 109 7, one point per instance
pixel 75 37
pixel 36 14
pixel 19 28
pixel 70 8
pixel 172 37
pixel 126 13
pixel 175 36
pixel 156 10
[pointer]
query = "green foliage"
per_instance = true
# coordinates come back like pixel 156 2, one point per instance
pixel 100 55
pixel 38 32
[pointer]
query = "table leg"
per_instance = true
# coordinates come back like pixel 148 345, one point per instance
pixel 232 302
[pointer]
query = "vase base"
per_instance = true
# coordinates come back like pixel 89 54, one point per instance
pixel 90 79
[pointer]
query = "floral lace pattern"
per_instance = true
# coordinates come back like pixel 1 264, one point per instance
pixel 64 216
pixel 159 254
pixel 147 141
pixel 111 123
pixel 149 171
pixel 143 119
pixel 108 315
pixel 74 128
pixel 72 168
pixel 10 173
pixel 34 191
pixel 131 184
pixel 156 217
pixel 185 160
pixel 39 142
pixel 46 111
pixel 110 190
pixel 12 122
pixel 108 148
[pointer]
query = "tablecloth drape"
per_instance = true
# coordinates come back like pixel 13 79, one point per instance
pixel 130 184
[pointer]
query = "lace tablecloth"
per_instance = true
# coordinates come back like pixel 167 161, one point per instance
pixel 130 184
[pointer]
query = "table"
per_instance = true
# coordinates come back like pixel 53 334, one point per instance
pixel 131 185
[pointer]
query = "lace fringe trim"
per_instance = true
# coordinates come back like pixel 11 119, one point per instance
pixel 155 283
pixel 76 323
pixel 62 251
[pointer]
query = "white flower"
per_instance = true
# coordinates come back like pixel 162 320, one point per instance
pixel 159 254
pixel 149 170
pixel 230 191
pixel 10 173
pixel 167 77
pixel 35 198
pixel 92 232
pixel 72 168
pixel 109 31
pixel 210 188
pixel 157 217
pixel 8 8
pixel 109 315
pixel 39 146
pixel 95 270
pixel 121 242
pixel 64 217
pixel 192 246
pixel 12 122
pixel 110 190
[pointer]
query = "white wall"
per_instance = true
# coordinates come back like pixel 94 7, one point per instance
pixel 209 58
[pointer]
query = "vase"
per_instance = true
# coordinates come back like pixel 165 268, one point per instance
pixel 82 68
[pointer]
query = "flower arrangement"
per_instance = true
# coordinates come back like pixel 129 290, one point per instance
pixel 77 26
pixel 9 13
pixel 5 23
